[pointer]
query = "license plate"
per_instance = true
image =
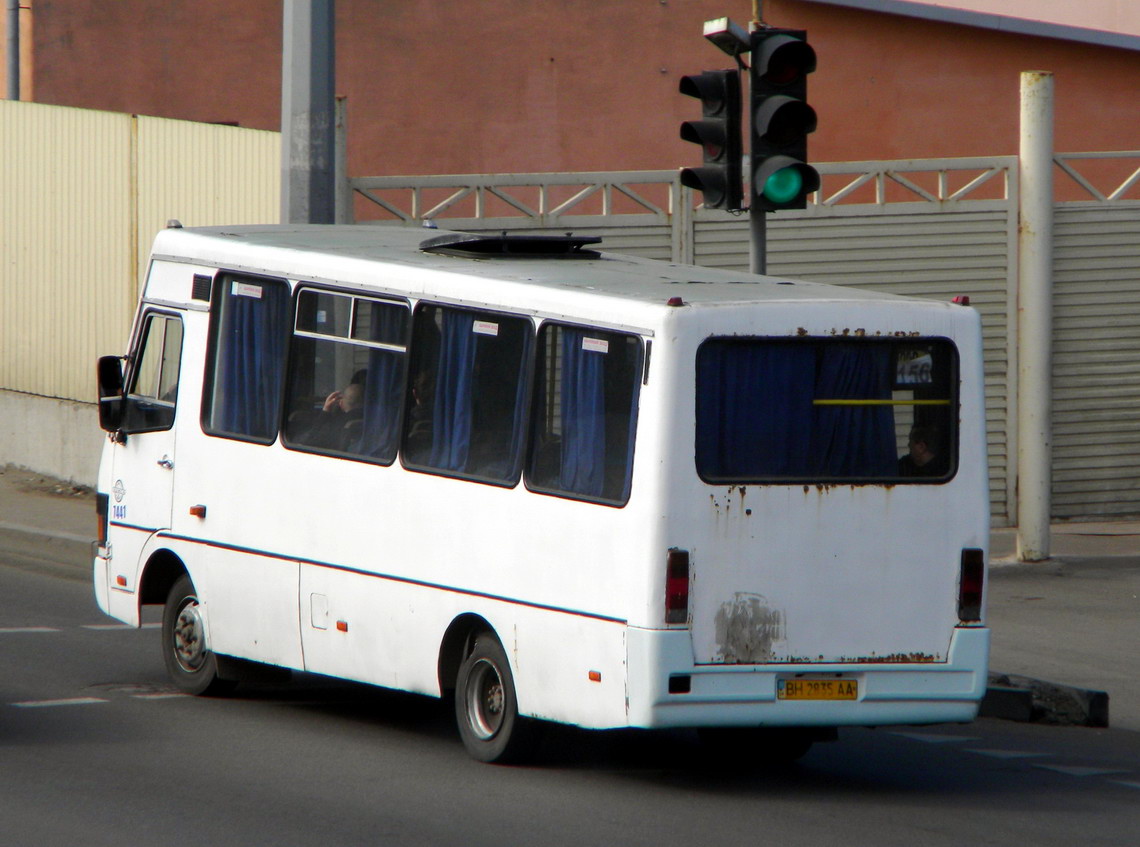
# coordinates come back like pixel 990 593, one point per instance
pixel 817 689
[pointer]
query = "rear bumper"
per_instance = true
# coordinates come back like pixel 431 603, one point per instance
pixel 746 695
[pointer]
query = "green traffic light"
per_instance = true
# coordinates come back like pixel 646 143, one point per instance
pixel 784 185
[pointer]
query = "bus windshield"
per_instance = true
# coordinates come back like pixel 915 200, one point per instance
pixel 826 410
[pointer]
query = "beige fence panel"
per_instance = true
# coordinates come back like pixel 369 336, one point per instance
pixel 82 194
pixel 203 174
pixel 66 219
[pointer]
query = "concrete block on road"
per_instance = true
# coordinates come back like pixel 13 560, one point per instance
pixel 1021 698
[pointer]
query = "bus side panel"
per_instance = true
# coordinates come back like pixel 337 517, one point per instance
pixel 250 604
pixel 370 629
pixel 568 668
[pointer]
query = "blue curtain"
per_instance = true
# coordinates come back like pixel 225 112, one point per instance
pixel 507 468
pixel 754 409
pixel 252 370
pixel 451 415
pixel 583 469
pixel 383 386
pixel 854 441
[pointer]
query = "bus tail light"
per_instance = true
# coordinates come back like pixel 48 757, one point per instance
pixel 677 586
pixel 970 582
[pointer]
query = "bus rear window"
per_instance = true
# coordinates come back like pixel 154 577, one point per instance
pixel 826 410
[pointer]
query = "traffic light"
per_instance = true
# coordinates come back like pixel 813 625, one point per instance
pixel 720 179
pixel 781 120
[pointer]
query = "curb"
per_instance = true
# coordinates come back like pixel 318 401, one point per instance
pixel 1021 698
pixel 57 549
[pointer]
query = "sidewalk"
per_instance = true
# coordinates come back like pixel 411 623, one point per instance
pixel 46 523
pixel 1074 620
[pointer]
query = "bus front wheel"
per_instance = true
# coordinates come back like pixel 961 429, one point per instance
pixel 485 706
pixel 190 663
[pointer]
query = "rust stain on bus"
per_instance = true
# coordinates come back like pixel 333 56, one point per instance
pixel 747 628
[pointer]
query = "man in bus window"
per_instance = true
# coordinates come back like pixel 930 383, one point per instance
pixel 923 456
pixel 335 424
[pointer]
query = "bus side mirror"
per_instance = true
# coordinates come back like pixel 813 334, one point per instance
pixel 109 373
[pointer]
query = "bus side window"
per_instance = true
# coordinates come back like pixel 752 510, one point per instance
pixel 466 405
pixel 346 376
pixel 245 373
pixel 585 413
pixel 153 389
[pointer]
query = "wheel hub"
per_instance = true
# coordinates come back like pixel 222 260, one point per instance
pixel 189 638
pixel 485 700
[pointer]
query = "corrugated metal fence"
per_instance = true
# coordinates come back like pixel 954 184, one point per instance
pixel 934 228
pixel 82 194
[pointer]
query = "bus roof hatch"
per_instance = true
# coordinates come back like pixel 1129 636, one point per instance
pixel 512 246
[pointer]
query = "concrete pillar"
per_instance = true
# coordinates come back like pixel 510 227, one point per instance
pixel 1035 318
pixel 308 193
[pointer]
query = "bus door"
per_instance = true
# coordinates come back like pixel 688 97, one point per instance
pixel 144 452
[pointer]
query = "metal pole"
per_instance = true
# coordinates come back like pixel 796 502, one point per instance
pixel 1035 318
pixel 13 55
pixel 758 245
pixel 308 193
pixel 341 191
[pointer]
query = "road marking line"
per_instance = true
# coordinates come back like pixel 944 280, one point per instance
pixel 12 630
pixel 1079 771
pixel 74 701
pixel 159 696
pixel 931 738
pixel 1127 784
pixel 1005 754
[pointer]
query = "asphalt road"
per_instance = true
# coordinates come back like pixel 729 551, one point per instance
pixel 97 749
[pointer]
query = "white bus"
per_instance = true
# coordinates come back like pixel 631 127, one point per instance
pixel 550 483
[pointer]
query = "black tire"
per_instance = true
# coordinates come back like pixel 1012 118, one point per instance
pixel 486 710
pixel 192 666
pixel 758 745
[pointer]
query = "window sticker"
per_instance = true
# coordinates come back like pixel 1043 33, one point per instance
pixel 244 289
pixel 914 367
pixel 595 345
pixel 485 328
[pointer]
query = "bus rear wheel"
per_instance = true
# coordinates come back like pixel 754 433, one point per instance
pixel 191 664
pixel 486 710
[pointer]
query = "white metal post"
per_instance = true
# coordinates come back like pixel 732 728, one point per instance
pixel 1035 318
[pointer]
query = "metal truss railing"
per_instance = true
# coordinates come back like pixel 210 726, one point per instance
pixel 898 181
pixel 1065 161
pixel 546 199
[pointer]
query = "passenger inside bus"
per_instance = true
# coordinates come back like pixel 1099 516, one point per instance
pixel 419 426
pixel 924 458
pixel 338 424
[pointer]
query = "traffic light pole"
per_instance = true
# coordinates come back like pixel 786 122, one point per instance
pixel 779 121
pixel 758 243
